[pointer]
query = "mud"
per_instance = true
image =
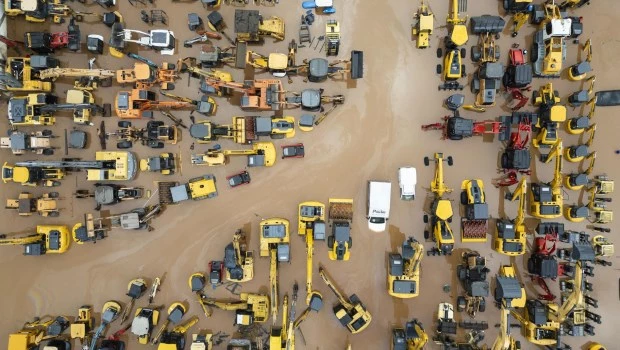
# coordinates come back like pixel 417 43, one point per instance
pixel 374 133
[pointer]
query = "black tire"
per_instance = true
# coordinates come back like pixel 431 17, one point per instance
pixel 534 54
pixel 170 86
pixel 439 52
pixel 535 96
pixel 464 198
pixel 427 235
pixel 463 71
pixel 438 69
pixel 124 144
pixel 107 110
pixel 475 54
pixel 350 242
pixel 498 53
pixel 48 151
pixel 531 267
pixel 483 305
pixel 463 53
pixel 53 214
pixel 277 136
pixel 330 242
pixel 172 66
pixel 505 161
pixel 427 161
pixel 124 124
pixel 450 161
pixel 425 218
pixel 506 5
pixel 461 303
pixel 461 272
pixel 53 194
pixel 449 220
pixel 157 145
pixel 46 132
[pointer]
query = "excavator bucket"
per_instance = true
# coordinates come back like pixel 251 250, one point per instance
pixel 357 64
pixel 487 24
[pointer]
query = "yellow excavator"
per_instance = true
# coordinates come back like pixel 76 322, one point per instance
pixel 238 261
pixel 175 338
pixel 197 282
pixel 546 199
pixel 576 181
pixel 508 289
pixel 249 309
pixel 47 239
pixel 275 244
pixel 351 313
pixel 311 225
pixel 403 278
pixel 176 311
pixel 511 235
pixel 278 336
pixel 261 154
pixel 135 289
pixel 441 210
pixel 39 330
pixel 412 337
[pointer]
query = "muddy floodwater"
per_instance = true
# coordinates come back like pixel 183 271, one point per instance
pixel 375 132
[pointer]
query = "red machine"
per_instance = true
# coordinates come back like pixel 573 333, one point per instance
pixel 458 128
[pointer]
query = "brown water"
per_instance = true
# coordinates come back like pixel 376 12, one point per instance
pixel 374 133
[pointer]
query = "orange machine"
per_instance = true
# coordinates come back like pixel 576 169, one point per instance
pixel 138 103
pixel 260 94
pixel 144 76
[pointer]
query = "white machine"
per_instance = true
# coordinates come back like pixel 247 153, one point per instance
pixel 407 179
pixel 379 194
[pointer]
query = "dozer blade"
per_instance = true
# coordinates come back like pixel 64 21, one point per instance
pixel 357 64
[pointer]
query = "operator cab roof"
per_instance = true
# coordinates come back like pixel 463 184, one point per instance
pixel 104 195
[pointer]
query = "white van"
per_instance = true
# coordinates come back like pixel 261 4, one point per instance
pixel 407 179
pixel 378 205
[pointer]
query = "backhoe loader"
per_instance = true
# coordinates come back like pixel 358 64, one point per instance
pixel 403 278
pixel 33 333
pixel 94 229
pixel 441 210
pixel 111 311
pixel 142 76
pixel 32 176
pixel 261 154
pixel 250 308
pixel 413 337
pixel 579 71
pixel 238 260
pixel 140 103
pixel 188 65
pixel 21 74
pixel 27 204
pixel 38 142
pixel 250 26
pixel 546 199
pixel 275 243
pixel 47 239
pixel 311 225
pixel 351 313
pixel 511 235
pixel 38 108
pixel 422 27
pixel 457 35
pixel 472 273
pixel 37 11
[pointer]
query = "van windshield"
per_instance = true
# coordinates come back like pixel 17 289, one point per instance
pixel 377 220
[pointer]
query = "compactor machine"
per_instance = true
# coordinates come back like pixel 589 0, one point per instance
pixel 403 278
pixel 340 219
pixel 27 204
pixel 511 235
pixel 441 210
pixel 476 211
pixel 143 324
pixel 351 313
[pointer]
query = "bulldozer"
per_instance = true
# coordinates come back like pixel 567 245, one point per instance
pixel 47 239
pixel 275 244
pixel 238 260
pixel 21 74
pixel 311 225
pixel 249 309
pixel 250 26
pixel 32 176
pixel 422 27
pixel 34 333
pixel 27 204
pixel 472 272
pixel 165 164
pixel 38 142
pixel 140 103
pixel 261 154
pixel 198 188
pixel 403 278
pixel 511 235
pixel 155 135
pixel 412 337
pixel 142 76
pixel 351 313
pixel 340 219
pixel 441 210
pixel 546 199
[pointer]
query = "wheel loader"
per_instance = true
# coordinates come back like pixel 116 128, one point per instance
pixel 27 204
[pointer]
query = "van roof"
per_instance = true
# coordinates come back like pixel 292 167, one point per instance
pixel 408 175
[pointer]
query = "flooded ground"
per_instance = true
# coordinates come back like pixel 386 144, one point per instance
pixel 374 133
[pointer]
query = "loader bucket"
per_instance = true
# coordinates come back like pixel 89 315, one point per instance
pixel 357 64
pixel 487 24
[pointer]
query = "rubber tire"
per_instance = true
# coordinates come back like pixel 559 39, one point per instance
pixel 463 53
pixel 170 86
pixel 427 161
pixel 350 242
pixel 425 218
pixel 438 69
pixel 463 71
pixel 483 305
pixel 427 235
pixel 53 214
pixel 475 54
pixel 172 66
pixel 461 303
pixel 46 132
pixel 124 145
pixel 450 161
pixel 330 242
pixel 449 220
pixel 124 124
pixel 531 267
pixel 277 136
pixel 464 198
pixel 439 52
pixel 53 194
pixel 48 151
pixel 107 110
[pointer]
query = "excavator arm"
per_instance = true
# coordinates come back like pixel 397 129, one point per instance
pixel 413 264
pixel 592 130
pixel 576 296
pixel 20 240
pixel 236 242
pixel 557 173
pixel 504 339
pixel 520 192
pixel 184 327
pixel 273 283
pixel 55 73
pixel 344 301
pixel 227 305
pixel 179 98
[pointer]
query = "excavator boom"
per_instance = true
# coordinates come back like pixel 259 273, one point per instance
pixel 556 183
pixel 344 301
pixel 413 264
pixel 520 192
pixel 309 266
pixel 21 240
pixel 55 73
pixel 273 283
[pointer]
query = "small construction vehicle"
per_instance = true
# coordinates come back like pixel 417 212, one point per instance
pixel 31 176
pixel 340 218
pixel 452 70
pixel 602 215
pixel 579 71
pixel 457 128
pixel 351 313
pixel 549 45
pixel 261 154
pixel 83 325
pixel 165 164
pixel 250 26
pixel 238 261
pixel 111 311
pixel 445 319
pixel 94 229
pixel 441 210
pixel 486 27
pixel 275 244
pixel 139 103
pixel 413 337
pixel 155 135
pixel 519 72
pixel 293 151
pixel 143 76
pixel 249 309
pixel 175 338
pixel 135 289
pixel 422 27
pixel 473 276
pixel 38 108
pixel 476 211
pixel 198 188
pixel 546 199
pixel 312 100
pixel 511 235
pixel 27 204
pixel 403 278
pixel 202 341
pixel 143 324
pixel 47 239
pixel 486 83
pixel 602 247
pixel 108 194
pixel 161 40
pixel 33 333
pixel 311 225
pixel 508 291
pixel 22 73
pixel 38 142
pixel 241 178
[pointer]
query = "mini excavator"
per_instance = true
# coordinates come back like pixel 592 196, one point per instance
pixel 33 333
pixel 135 289
pixel 275 244
pixel 111 311
pixel 249 309
pixel 403 278
pixel 546 199
pixel 511 235
pixel 175 338
pixel 579 71
pixel 441 210
pixel 238 261
pixel 413 337
pixel 351 313
pixel 576 181
pixel 47 239
pixel 261 154
pixel 197 282
pixel 176 311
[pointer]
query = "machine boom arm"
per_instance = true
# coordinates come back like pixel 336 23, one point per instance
pixel 65 164
pixel 414 262
pixel 55 73
pixel 520 193
pixel 344 301
pixel 20 240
